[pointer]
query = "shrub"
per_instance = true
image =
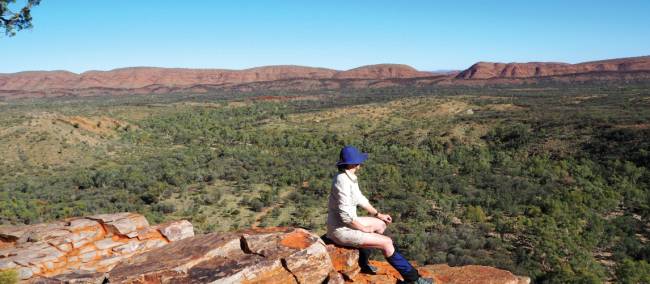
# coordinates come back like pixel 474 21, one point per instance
pixel 9 276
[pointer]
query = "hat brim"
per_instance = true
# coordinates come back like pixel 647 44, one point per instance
pixel 356 161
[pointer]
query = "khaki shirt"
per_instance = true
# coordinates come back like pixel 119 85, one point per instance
pixel 343 201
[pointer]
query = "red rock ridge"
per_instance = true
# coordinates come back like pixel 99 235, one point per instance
pixel 382 71
pixel 488 70
pixel 140 77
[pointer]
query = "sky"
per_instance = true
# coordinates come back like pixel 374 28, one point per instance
pixel 82 35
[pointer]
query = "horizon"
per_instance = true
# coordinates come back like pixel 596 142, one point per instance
pixel 315 67
pixel 79 36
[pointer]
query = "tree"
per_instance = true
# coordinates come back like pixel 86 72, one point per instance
pixel 11 21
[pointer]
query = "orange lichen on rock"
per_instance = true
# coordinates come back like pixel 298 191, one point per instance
pixel 296 239
pixel 385 274
pixel 444 274
pixel 345 260
pixel 249 256
pixel 472 274
pixel 5 244
pixel 90 244
pixel 116 248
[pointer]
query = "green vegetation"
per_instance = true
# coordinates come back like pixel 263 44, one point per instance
pixel 550 181
pixel 9 276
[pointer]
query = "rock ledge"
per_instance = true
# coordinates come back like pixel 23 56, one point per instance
pixel 123 248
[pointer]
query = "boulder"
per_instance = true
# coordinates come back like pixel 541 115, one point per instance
pixel 345 260
pixel 276 255
pixel 122 223
pixel 177 230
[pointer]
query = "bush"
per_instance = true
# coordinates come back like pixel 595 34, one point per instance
pixel 475 214
pixel 8 276
pixel 630 271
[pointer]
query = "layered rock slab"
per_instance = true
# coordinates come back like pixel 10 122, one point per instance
pixel 123 248
pixel 82 246
pixel 276 255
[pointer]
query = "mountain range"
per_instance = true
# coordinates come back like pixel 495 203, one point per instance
pixel 145 80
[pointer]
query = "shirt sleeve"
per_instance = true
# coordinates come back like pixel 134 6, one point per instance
pixel 361 199
pixel 345 201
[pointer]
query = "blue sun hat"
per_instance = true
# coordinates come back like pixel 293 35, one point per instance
pixel 351 156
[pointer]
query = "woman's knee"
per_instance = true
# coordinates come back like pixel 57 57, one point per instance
pixel 388 247
pixel 382 227
pixel 378 226
pixel 387 242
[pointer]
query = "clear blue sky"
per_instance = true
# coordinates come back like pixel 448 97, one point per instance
pixel 80 35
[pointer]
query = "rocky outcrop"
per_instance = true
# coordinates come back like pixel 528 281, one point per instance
pixel 490 70
pixel 123 248
pixel 83 246
pixel 276 255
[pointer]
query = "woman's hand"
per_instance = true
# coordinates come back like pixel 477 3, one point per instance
pixel 385 217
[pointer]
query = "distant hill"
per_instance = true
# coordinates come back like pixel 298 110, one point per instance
pixel 490 70
pixel 382 71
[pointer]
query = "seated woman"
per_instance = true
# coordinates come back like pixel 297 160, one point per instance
pixel 345 228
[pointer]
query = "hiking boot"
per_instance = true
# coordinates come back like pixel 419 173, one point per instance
pixel 369 269
pixel 364 262
pixel 420 280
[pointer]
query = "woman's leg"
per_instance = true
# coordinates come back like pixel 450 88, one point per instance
pixel 408 272
pixel 378 241
pixel 378 226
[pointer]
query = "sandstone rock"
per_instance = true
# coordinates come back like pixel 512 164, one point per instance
pixel 82 223
pixel 6 264
pixel 107 244
pixel 121 223
pixel 178 230
pixel 260 255
pixel 444 274
pixel 301 263
pixel 471 274
pixel 344 260
pixel 127 248
pixel 278 255
pixel 45 250
pixel 335 278
pixel 74 277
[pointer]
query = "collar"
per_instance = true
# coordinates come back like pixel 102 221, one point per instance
pixel 352 176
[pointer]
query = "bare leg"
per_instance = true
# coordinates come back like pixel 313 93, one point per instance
pixel 378 241
pixel 378 226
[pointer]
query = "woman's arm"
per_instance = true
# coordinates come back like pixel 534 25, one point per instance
pixel 374 212
pixel 355 224
pixel 346 205
pixel 371 210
